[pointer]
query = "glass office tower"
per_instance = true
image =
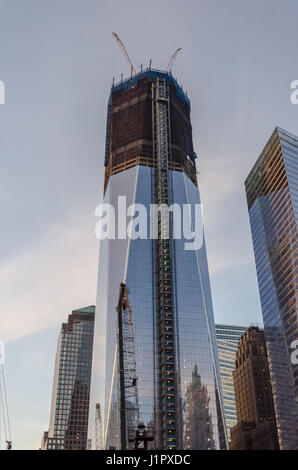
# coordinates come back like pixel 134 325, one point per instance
pixel 71 390
pixel 228 337
pixel 272 195
pixel 150 160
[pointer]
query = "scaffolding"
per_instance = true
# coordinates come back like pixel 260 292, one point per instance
pixel 168 416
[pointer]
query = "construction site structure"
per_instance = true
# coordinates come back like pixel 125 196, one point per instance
pixel 165 325
pixel 164 300
pixel 142 438
pixel 128 382
pixel 129 61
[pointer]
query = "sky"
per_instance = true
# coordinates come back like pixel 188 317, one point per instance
pixel 57 60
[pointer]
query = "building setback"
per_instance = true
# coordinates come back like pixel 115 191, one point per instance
pixel 71 390
pixel 256 426
pixel 272 195
pixel 150 159
pixel 228 337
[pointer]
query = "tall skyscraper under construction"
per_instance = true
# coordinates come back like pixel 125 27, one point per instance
pixel 161 354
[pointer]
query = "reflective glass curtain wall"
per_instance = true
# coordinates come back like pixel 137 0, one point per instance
pixel 272 195
pixel 228 337
pixel 71 390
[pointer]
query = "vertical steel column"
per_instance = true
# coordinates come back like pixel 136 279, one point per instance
pixel 165 321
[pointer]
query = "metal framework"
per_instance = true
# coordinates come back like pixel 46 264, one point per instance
pixel 142 438
pixel 128 383
pixel 168 415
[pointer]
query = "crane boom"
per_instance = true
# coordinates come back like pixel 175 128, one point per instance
pixel 124 52
pixel 172 60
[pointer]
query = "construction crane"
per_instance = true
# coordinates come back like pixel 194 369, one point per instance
pixel 4 413
pixel 172 60
pixel 98 428
pixel 124 52
pixel 128 382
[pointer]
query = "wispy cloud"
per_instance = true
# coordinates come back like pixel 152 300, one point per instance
pixel 40 287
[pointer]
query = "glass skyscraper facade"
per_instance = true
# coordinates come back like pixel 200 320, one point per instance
pixel 228 337
pixel 71 390
pixel 272 195
pixel 150 160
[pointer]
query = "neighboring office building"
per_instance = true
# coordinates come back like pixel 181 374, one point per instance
pixel 71 391
pixel 150 159
pixel 256 426
pixel 272 195
pixel 228 337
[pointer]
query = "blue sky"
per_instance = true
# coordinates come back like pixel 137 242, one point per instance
pixel 57 59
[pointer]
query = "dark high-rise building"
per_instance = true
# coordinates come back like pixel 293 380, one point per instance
pixel 256 426
pixel 71 390
pixel 150 159
pixel 272 195
pixel 228 337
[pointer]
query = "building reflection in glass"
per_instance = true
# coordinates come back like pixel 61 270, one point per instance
pixel 198 432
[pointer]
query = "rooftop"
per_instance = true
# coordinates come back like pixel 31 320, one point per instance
pixel 151 74
pixel 88 310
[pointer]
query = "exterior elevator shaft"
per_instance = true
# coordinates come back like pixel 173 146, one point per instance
pixel 168 416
